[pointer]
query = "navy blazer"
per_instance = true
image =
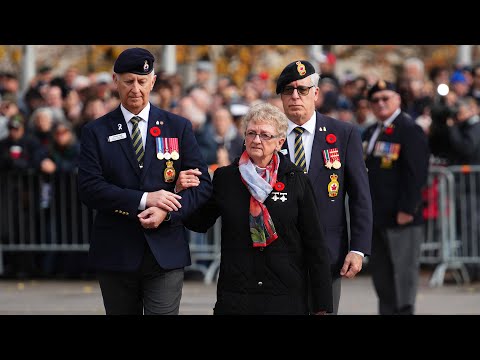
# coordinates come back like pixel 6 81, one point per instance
pixel 397 185
pixel 352 180
pixel 110 181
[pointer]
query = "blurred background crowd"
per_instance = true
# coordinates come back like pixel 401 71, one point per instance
pixel 42 114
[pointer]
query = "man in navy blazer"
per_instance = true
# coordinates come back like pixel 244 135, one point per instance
pixel 330 151
pixel 397 156
pixel 130 160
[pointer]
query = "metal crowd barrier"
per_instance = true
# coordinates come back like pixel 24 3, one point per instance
pixel 44 213
pixel 205 252
pixel 452 225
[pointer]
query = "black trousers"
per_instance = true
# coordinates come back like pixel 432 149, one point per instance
pixel 151 290
pixel 394 265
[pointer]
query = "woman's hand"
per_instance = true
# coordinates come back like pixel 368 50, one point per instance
pixel 187 179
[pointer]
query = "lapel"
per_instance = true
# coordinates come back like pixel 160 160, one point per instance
pixel 151 146
pixel 127 146
pixel 316 157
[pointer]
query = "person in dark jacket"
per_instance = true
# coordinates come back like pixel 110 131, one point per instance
pixel 330 152
pixel 129 160
pixel 397 158
pixel 273 250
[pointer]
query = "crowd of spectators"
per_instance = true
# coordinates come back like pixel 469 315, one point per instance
pixel 41 127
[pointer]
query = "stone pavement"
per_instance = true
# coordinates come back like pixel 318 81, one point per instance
pixel 80 297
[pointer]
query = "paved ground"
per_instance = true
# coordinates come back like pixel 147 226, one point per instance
pixel 49 297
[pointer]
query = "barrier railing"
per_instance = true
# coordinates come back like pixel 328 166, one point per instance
pixel 44 213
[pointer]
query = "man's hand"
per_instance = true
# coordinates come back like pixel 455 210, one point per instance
pixel 352 265
pixel 152 217
pixel 164 199
pixel 403 218
pixel 187 178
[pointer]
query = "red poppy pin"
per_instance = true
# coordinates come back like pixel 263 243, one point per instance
pixel 155 131
pixel 331 138
pixel 279 186
pixel 389 130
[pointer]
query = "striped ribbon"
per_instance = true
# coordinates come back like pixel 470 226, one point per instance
pixel 299 150
pixel 137 140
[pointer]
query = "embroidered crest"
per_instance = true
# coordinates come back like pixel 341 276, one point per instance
pixel 169 172
pixel 301 68
pixel 333 186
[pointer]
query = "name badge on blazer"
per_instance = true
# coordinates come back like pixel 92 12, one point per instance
pixel 117 137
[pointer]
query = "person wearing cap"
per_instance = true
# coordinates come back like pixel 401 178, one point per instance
pixel 20 154
pixel 20 150
pixel 397 157
pixel 330 152
pixel 129 163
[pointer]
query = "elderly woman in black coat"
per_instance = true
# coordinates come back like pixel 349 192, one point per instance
pixel 273 255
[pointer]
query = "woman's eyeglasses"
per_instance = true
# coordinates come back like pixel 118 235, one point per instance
pixel 302 90
pixel 263 136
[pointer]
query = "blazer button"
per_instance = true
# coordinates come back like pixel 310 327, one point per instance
pixel 261 248
pixel 260 283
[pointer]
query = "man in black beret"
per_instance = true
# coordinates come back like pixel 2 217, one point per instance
pixel 135 60
pixel 330 151
pixel 130 161
pixel 397 157
pixel 381 85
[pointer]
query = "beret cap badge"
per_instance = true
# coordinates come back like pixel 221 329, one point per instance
pixel 301 68
pixel 381 84
pixel 296 70
pixel 145 66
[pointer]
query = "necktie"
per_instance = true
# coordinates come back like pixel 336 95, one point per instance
pixel 299 150
pixel 137 140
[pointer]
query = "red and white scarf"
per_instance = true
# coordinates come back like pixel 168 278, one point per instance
pixel 262 228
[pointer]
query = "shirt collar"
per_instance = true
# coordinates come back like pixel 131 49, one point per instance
pixel 391 118
pixel 309 125
pixel 128 115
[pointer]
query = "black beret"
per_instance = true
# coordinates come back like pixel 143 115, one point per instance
pixel 134 60
pixel 380 86
pixel 296 70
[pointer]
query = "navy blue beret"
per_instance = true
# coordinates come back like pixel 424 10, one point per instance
pixel 380 86
pixel 296 70
pixel 134 60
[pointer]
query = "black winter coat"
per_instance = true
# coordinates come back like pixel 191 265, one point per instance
pixel 274 279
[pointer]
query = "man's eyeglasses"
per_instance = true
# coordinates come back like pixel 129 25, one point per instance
pixel 263 136
pixel 302 90
pixel 378 99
